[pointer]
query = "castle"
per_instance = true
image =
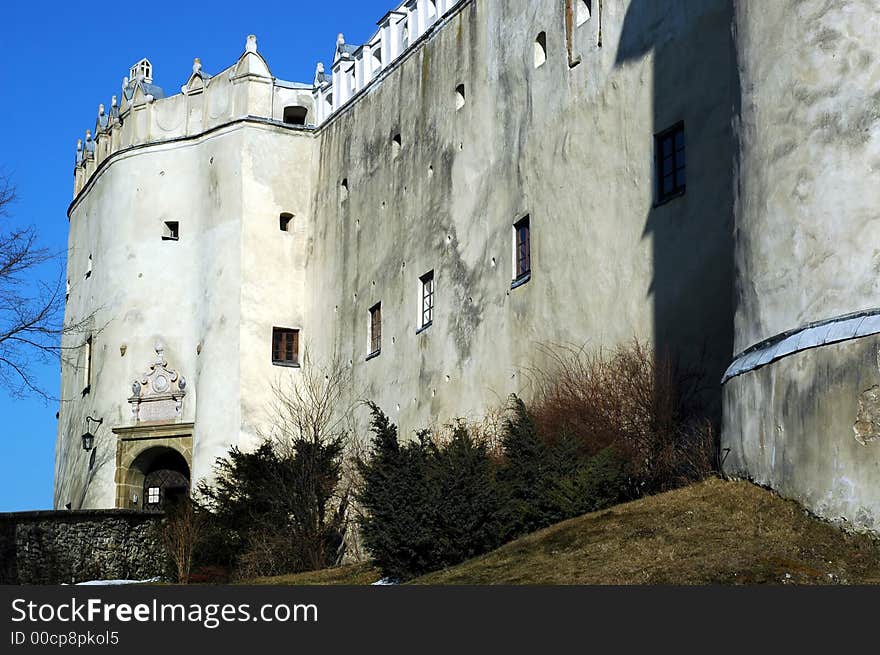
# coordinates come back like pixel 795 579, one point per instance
pixel 480 178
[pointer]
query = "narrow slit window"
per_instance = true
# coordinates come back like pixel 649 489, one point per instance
pixel 426 286
pixel 88 273
pixel 522 243
pixel 375 329
pixel 87 366
pixel 670 163
pixel 286 222
pixel 396 145
pixel 172 231
pixel 285 346
pixel 459 96
pixel 540 49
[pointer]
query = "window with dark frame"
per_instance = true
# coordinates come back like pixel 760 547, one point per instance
pixel 427 296
pixel 285 346
pixel 670 153
pixel 285 222
pixel 172 231
pixel 522 248
pixel 375 328
pixel 152 495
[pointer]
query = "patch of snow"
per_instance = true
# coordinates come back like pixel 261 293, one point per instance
pixel 385 581
pixel 118 582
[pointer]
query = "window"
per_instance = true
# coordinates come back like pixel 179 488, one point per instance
pixel 375 329
pixel 670 163
pixel 88 273
pixel 87 369
pixel 152 495
pixel 426 295
pixel 295 115
pixel 343 189
pixel 540 49
pixel 286 222
pixel 459 96
pixel 522 249
pixel 285 347
pixel 584 11
pixel 172 231
pixel 396 144
pixel 67 290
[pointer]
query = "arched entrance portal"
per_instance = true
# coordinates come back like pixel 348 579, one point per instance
pixel 165 477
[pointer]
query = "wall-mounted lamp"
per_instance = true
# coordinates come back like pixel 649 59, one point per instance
pixel 88 439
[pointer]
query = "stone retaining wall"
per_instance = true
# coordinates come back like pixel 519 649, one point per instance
pixel 55 547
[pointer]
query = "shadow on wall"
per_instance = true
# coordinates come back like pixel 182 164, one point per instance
pixel 695 81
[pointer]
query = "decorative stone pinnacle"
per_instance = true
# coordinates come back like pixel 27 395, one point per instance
pixel 160 352
pixel 340 40
pixel 101 109
pixel 251 43
pixel 113 101
pixel 88 135
pixel 197 65
pixel 79 144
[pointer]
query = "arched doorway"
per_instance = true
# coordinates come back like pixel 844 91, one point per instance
pixel 165 477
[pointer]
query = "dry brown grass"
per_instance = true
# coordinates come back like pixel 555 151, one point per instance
pixel 353 574
pixel 714 532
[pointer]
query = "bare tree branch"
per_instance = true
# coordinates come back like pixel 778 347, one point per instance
pixel 31 310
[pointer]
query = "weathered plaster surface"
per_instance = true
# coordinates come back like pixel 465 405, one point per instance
pixel 572 147
pixel 807 212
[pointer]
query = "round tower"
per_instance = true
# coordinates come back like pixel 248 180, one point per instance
pixel 802 395
pixel 185 259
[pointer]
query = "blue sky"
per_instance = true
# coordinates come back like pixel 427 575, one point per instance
pixel 61 59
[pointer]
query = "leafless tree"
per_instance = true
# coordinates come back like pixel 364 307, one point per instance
pixel 312 424
pixel 182 531
pixel 31 308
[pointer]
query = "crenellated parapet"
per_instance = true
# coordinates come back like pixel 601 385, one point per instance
pixel 143 114
pixel 355 67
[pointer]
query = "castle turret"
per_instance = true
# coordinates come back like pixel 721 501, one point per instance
pixel 801 397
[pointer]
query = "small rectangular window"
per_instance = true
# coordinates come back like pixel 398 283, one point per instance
pixel 285 346
pixel 286 222
pixel 375 329
pixel 522 249
pixel 172 231
pixel 670 163
pixel 426 315
pixel 152 495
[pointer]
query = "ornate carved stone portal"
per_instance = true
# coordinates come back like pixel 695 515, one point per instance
pixel 158 394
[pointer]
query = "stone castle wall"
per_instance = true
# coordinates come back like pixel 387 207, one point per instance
pixel 61 547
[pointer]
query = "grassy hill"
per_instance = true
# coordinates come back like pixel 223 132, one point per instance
pixel 715 532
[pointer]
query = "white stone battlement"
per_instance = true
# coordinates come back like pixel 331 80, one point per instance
pixel 143 113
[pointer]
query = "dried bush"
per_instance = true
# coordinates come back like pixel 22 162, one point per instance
pixel 182 531
pixel 645 405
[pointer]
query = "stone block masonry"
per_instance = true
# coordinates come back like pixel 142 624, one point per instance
pixel 66 547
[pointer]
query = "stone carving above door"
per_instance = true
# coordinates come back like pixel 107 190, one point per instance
pixel 158 394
